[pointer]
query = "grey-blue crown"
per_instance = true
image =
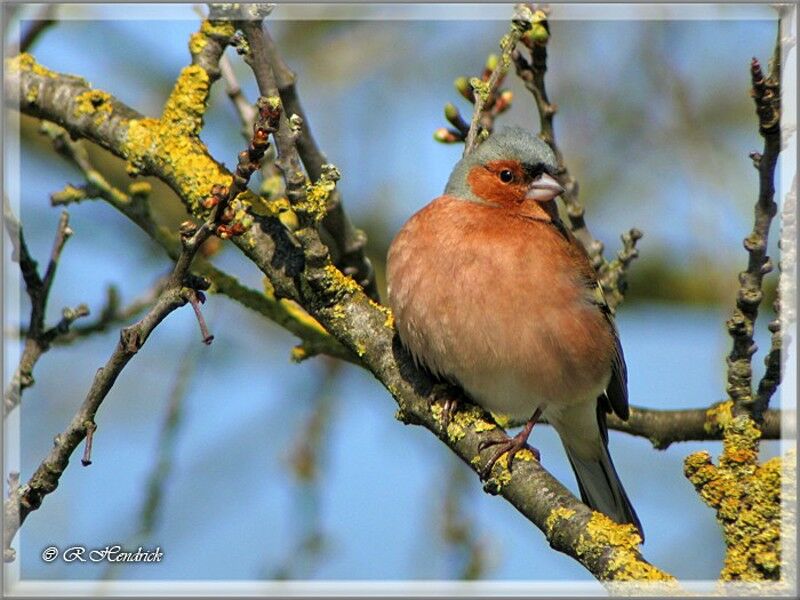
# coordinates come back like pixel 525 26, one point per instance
pixel 510 143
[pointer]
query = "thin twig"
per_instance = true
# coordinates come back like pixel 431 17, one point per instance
pixel 498 102
pixel 614 277
pixel 532 72
pixel 38 338
pixel 112 314
pixel 44 480
pixel 41 22
pixel 784 305
pixel 485 91
pixel 245 110
pixel 135 205
pixel 766 93
pixel 195 300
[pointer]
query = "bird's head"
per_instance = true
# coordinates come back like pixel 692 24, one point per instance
pixel 512 168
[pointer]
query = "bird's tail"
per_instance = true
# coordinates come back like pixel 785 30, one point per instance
pixel 601 488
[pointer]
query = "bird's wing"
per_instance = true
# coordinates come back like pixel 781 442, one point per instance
pixel 616 396
pixel 617 389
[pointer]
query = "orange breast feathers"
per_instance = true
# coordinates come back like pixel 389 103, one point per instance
pixel 480 289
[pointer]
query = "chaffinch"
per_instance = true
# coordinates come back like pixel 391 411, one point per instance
pixel 492 292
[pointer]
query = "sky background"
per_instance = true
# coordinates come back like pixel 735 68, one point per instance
pixel 656 123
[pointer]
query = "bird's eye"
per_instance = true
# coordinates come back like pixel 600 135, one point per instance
pixel 506 176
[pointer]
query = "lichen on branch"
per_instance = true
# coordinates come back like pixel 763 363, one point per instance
pixel 746 496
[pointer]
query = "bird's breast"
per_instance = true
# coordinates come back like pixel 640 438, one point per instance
pixel 498 304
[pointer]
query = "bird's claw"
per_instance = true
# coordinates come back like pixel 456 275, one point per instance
pixel 449 408
pixel 507 445
pixel 449 398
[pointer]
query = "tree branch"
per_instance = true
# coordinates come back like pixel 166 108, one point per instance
pixel 532 72
pixel 767 95
pixel 27 498
pixel 485 92
pixel 347 244
pixel 38 339
pixel 665 427
pixel 43 21
pixel 134 205
pixel 112 314
pixel 784 304
pixel 746 494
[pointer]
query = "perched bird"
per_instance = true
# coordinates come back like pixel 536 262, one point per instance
pixel 490 291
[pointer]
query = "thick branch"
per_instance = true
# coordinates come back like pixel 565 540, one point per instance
pixel 347 244
pixel 665 427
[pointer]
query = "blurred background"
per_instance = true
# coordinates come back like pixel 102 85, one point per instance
pixel 242 465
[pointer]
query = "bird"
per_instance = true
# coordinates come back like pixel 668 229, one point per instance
pixel 491 292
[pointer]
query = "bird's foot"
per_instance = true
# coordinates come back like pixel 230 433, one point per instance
pixel 448 395
pixel 510 446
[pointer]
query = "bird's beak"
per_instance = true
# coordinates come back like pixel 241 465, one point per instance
pixel 544 189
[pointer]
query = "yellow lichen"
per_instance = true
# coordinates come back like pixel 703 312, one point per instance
pixel 32 94
pixel 26 62
pixel 504 476
pixel 339 283
pixel 140 188
pixel 93 102
pixel 501 419
pixel 315 203
pixel 197 41
pixel 437 410
pixel 560 513
pixel 718 416
pixel 525 455
pixel 68 195
pixel 745 495
pixel 619 546
pixel 299 354
pixel 182 158
pixel 269 289
pixel 482 425
pixel 389 321
pixel 455 431
pixel 219 29
pixel 186 105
